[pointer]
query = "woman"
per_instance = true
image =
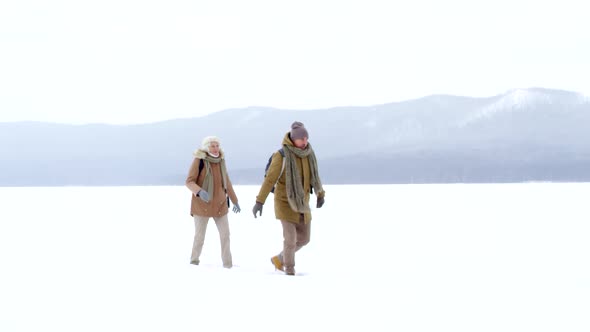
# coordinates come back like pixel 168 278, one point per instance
pixel 212 189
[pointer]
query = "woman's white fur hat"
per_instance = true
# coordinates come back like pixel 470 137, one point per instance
pixel 207 142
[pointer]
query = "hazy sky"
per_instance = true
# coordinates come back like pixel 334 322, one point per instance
pixel 132 61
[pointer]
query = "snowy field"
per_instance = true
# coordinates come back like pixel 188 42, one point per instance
pixel 497 257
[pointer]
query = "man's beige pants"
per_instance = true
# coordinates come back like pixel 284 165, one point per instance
pixel 200 230
pixel 295 237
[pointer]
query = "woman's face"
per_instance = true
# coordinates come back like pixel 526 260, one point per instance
pixel 301 142
pixel 214 148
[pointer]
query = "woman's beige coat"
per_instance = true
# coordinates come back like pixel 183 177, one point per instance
pixel 217 205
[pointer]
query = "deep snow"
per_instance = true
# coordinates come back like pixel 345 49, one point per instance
pixel 488 257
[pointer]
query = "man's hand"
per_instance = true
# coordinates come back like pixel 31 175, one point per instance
pixel 257 208
pixel 320 202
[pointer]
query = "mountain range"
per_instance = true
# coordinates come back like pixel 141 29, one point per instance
pixel 532 134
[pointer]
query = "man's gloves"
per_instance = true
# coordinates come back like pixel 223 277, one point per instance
pixel 257 208
pixel 320 202
pixel 236 208
pixel 202 194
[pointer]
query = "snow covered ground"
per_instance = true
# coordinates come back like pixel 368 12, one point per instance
pixel 495 257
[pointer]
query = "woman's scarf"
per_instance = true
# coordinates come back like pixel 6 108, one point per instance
pixel 207 158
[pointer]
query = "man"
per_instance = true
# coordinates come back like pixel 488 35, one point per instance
pixel 296 176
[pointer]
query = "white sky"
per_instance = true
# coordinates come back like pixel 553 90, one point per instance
pixel 131 61
pixel 462 258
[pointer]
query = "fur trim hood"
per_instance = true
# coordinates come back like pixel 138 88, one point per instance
pixel 201 154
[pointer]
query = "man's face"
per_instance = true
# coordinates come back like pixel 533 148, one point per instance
pixel 301 142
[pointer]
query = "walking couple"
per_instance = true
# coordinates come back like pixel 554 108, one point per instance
pixel 293 173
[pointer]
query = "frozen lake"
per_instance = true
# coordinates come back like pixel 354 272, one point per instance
pixel 477 257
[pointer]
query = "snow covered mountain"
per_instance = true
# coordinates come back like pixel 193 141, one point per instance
pixel 530 134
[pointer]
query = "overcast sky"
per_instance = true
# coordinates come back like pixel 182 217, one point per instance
pixel 132 61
